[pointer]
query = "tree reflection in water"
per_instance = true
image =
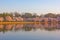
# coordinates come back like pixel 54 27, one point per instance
pixel 29 27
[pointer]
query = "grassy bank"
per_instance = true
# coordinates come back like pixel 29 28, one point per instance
pixel 19 22
pixel 25 22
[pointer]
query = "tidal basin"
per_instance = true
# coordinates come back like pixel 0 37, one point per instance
pixel 30 31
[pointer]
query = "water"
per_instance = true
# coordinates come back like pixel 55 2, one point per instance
pixel 30 32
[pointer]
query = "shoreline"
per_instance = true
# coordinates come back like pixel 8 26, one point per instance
pixel 28 22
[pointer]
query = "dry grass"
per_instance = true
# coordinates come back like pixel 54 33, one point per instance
pixel 20 22
pixel 24 22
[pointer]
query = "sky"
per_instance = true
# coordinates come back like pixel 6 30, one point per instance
pixel 34 6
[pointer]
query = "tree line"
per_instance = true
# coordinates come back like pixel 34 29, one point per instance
pixel 29 15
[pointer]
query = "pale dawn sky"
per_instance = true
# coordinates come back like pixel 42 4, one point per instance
pixel 35 6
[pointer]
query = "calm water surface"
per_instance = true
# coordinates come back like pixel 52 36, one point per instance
pixel 30 32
